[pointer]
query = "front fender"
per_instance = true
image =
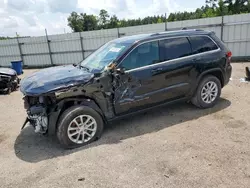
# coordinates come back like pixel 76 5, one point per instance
pixel 60 108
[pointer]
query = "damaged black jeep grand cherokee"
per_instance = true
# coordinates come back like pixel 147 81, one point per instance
pixel 125 76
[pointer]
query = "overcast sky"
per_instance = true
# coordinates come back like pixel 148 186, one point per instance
pixel 31 17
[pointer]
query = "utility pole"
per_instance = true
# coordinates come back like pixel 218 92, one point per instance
pixel 166 27
pixel 19 47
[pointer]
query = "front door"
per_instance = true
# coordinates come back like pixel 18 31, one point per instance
pixel 140 86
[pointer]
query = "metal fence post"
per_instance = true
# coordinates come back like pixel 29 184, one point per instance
pixel 222 28
pixel 118 33
pixel 19 47
pixel 48 42
pixel 80 37
pixel 166 26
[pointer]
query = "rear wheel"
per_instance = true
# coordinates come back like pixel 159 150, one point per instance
pixel 208 92
pixel 78 126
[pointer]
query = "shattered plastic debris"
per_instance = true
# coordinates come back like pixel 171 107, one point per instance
pixel 243 80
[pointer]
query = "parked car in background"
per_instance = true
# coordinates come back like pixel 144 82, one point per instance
pixel 8 80
pixel 126 76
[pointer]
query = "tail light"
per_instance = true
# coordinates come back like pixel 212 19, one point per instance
pixel 229 56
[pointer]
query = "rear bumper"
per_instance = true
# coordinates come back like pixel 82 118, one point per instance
pixel 228 74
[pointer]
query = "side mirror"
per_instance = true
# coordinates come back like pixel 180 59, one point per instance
pixel 120 70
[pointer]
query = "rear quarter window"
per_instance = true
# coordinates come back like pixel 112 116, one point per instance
pixel 202 44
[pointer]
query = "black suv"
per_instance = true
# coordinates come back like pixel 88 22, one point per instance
pixel 125 76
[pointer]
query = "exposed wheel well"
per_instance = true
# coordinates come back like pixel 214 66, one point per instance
pixel 217 74
pixel 67 105
pixel 73 102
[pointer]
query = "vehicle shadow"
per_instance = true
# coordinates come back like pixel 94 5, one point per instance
pixel 34 148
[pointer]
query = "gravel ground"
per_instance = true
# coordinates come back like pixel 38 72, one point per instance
pixel 174 146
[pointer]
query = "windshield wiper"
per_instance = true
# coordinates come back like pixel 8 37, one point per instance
pixel 83 67
pixel 80 66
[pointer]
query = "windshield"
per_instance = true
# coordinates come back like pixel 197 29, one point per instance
pixel 98 60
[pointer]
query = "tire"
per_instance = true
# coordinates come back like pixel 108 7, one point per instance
pixel 8 91
pixel 198 101
pixel 79 114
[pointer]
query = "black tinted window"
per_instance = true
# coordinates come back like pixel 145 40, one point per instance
pixel 174 48
pixel 145 54
pixel 202 44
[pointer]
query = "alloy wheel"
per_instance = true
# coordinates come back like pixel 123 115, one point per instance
pixel 209 92
pixel 82 128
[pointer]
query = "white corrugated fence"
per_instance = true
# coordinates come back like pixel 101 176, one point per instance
pixel 73 47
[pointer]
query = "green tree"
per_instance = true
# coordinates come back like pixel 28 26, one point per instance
pixel 210 13
pixel 123 23
pixel 171 17
pixel 138 21
pixel 159 20
pixel 75 22
pixel 198 13
pixel 211 8
pixel 90 22
pixel 222 9
pixel 82 22
pixel 163 18
pixel 113 23
pixel 103 18
pixel 211 3
pixel 236 6
pixel 4 38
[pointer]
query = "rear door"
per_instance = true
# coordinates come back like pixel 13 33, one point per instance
pixel 177 68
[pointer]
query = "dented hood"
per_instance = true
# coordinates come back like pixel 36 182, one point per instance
pixel 53 79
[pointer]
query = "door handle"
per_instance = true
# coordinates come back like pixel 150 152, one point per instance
pixel 157 70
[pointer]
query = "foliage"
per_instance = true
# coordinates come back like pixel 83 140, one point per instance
pixel 103 19
pixel 3 38
pixel 82 22
pixel 212 8
pixel 211 3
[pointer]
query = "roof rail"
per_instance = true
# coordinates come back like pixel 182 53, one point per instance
pixel 183 29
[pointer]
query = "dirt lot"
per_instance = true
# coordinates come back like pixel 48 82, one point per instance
pixel 174 146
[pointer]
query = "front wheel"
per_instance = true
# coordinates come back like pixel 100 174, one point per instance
pixel 78 126
pixel 208 92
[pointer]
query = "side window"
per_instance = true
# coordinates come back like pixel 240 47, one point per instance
pixel 202 44
pixel 143 55
pixel 174 48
